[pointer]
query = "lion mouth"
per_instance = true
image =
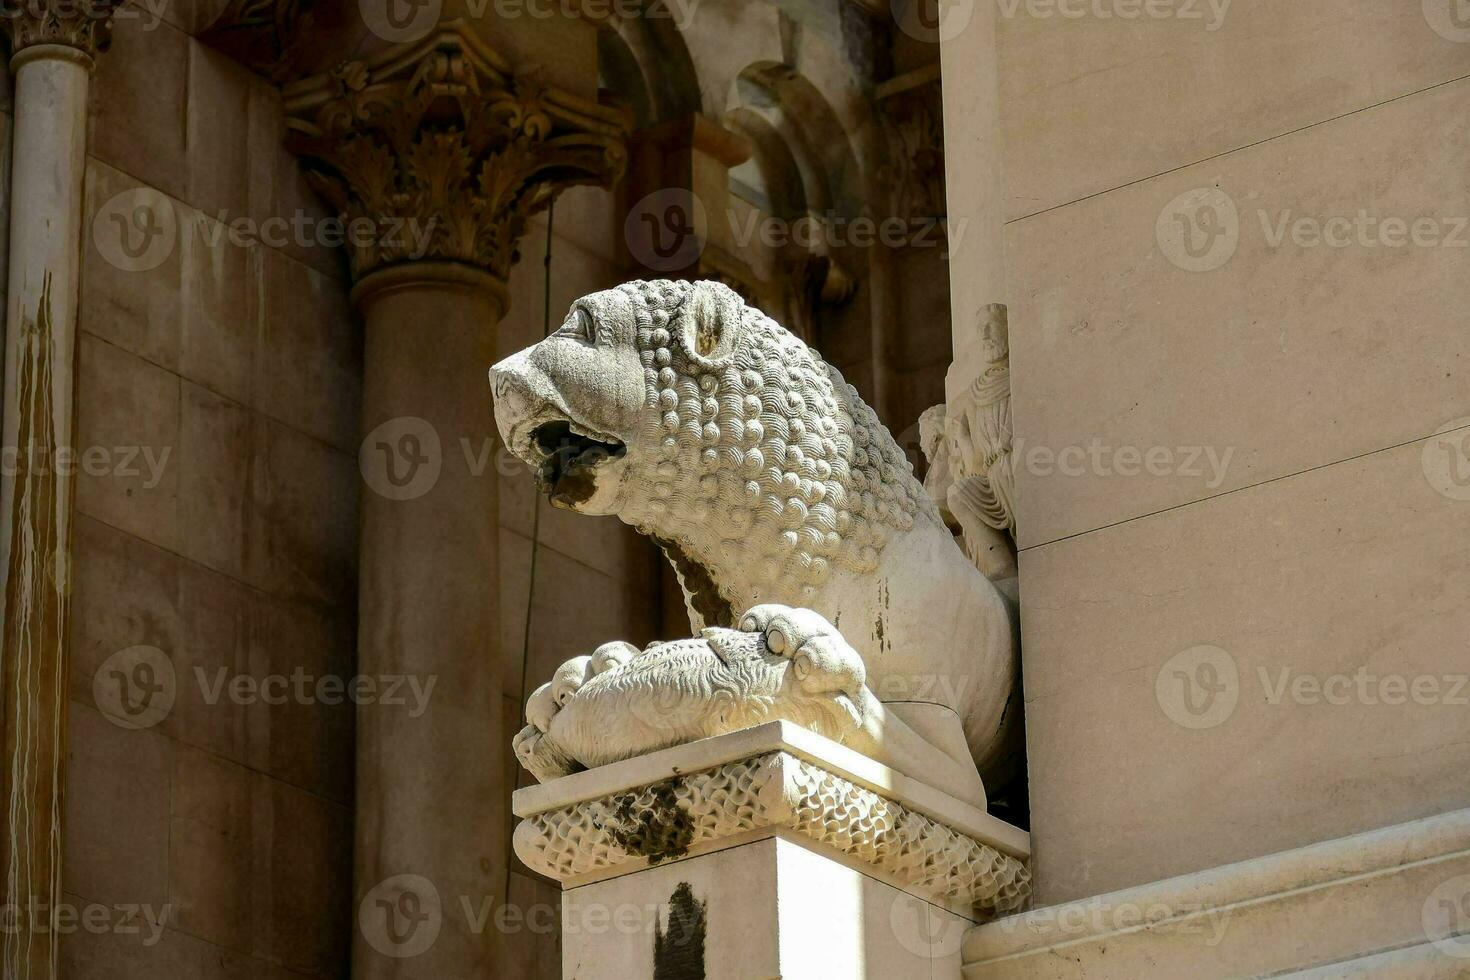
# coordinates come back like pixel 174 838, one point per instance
pixel 569 461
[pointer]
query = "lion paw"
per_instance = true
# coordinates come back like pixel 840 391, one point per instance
pixel 551 697
pixel 822 660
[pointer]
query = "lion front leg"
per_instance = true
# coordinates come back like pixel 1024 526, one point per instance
pixel 824 663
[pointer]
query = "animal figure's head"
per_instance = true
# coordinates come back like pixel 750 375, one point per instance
pixel 705 424
pixel 586 405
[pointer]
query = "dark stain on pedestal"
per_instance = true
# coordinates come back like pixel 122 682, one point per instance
pixel 659 831
pixel 678 947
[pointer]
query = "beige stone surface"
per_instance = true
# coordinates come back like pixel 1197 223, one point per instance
pixel 117 810
pixel 303 520
pixel 139 123
pixel 1094 104
pixel 1283 358
pixel 123 401
pixel 605 607
pixel 1345 569
pixel 1362 906
pixel 226 310
pixel 772 908
pixel 240 361
pixel 304 741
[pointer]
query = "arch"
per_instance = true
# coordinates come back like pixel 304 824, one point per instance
pixel 771 102
pixel 642 58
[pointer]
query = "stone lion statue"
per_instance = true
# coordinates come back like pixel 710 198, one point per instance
pixel 766 481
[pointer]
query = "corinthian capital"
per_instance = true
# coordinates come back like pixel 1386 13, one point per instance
pixel 85 25
pixel 448 144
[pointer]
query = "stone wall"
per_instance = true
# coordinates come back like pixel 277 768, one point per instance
pixel 241 359
pixel 237 557
pixel 1319 543
pixel 221 370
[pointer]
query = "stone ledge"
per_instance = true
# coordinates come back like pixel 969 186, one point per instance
pixel 774 780
pixel 1330 908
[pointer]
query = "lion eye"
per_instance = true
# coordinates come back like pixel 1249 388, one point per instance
pixel 579 326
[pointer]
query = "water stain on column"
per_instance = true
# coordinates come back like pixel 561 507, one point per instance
pixel 35 663
pixel 678 948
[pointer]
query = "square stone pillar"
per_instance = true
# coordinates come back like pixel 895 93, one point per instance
pixel 764 853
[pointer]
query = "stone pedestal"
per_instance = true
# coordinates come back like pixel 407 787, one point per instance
pixel 768 852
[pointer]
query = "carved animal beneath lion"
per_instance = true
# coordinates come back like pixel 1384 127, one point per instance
pixel 766 479
pixel 781 663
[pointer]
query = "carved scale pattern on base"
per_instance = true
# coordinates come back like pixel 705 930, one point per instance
pixel 663 820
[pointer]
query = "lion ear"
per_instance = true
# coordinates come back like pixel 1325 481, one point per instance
pixel 711 324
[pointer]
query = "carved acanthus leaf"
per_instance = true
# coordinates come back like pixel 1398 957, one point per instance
pixel 82 24
pixel 450 146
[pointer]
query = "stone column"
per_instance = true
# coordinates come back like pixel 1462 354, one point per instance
pixel 435 156
pixel 53 46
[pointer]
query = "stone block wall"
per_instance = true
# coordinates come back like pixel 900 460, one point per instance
pixel 1255 510
pixel 233 364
